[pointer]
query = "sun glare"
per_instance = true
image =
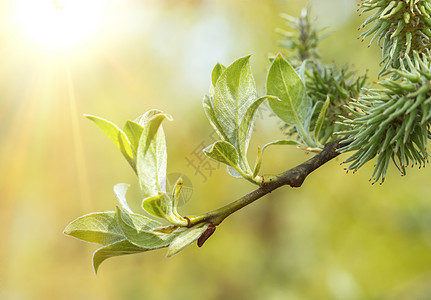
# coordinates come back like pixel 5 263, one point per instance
pixel 59 24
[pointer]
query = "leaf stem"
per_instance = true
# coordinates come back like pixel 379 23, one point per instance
pixel 293 177
pixel 248 176
pixel 305 136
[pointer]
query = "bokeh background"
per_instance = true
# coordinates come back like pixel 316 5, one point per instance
pixel 337 237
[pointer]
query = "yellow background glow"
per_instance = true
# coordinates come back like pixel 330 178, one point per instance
pixel 59 24
pixel 337 237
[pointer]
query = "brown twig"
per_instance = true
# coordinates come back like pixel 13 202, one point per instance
pixel 293 177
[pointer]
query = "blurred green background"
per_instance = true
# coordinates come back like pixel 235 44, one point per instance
pixel 337 237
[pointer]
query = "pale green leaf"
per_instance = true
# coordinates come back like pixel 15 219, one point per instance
pixel 176 190
pixel 235 92
pixel 232 172
pixel 258 162
pixel 320 120
pixel 162 206
pixel 139 230
pixel 209 111
pixel 158 205
pixel 147 116
pixel 302 68
pixel 282 142
pixel 152 156
pixel 176 196
pixel 260 151
pixel 224 152
pixel 284 83
pixel 99 227
pixel 133 131
pixel 217 71
pixel 314 114
pixel 186 238
pixel 121 247
pixel 246 130
pixel 117 136
pixel 120 190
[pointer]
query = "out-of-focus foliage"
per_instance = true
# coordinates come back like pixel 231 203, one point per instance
pixel 401 27
pixel 335 238
pixel 328 86
pixel 392 122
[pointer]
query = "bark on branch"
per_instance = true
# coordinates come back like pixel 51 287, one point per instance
pixel 294 177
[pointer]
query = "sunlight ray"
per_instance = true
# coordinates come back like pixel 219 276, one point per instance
pixel 81 169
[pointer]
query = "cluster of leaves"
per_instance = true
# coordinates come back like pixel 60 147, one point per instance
pixel 401 27
pixel 328 86
pixel 232 103
pixel 230 108
pixel 391 122
pixel 120 232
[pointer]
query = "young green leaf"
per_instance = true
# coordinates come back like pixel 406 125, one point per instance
pixel 162 206
pixel 233 172
pixel 117 136
pixel 258 162
pixel 121 247
pixel 282 142
pixel 100 227
pixel 176 196
pixel 235 92
pixel 133 131
pixel 261 150
pixel 217 71
pixel 207 103
pixel 120 190
pixel 246 129
pixel 139 230
pixel 320 120
pixel 224 152
pixel 302 69
pixel 186 238
pixel 293 105
pixel 152 157
pixel 176 190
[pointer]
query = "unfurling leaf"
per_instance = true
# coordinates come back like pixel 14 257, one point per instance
pixel 152 157
pixel 133 131
pixel 217 71
pixel 186 238
pixel 177 190
pixel 162 206
pixel 282 142
pixel 320 120
pixel 100 227
pixel 176 196
pixel 258 162
pixel 120 190
pixel 261 150
pixel 117 136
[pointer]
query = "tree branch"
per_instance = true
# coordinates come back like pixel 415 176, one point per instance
pixel 293 177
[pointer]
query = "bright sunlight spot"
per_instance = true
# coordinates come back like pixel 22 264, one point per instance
pixel 59 24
